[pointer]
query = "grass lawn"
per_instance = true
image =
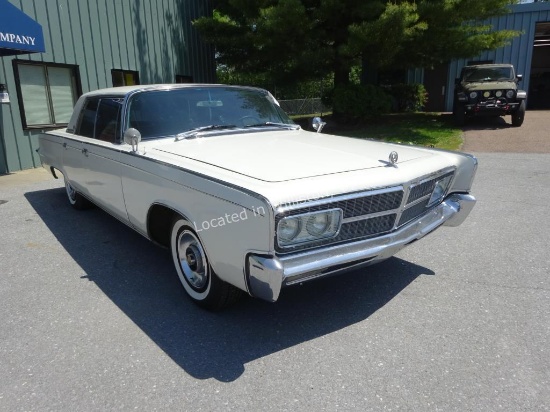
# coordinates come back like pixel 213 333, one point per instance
pixel 423 129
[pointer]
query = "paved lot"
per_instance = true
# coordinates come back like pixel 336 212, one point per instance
pixel 497 134
pixel 93 317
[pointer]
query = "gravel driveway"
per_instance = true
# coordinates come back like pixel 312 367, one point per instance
pixel 497 134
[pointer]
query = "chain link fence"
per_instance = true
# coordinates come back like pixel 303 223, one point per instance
pixel 304 106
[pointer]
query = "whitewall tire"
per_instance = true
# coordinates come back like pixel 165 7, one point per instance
pixel 76 200
pixel 198 279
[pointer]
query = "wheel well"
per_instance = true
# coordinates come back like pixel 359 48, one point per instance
pixel 159 224
pixel 53 172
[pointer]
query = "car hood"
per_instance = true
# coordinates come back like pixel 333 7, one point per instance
pixel 474 86
pixel 275 156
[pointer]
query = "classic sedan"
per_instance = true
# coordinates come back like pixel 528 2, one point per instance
pixel 245 199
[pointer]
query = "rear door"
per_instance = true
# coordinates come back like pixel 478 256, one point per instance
pixel 73 147
pixel 97 166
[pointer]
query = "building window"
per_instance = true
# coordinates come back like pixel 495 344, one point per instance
pixel 180 78
pixel 124 77
pixel 47 93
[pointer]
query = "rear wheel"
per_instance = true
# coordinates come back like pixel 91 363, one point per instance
pixel 76 200
pixel 519 115
pixel 198 279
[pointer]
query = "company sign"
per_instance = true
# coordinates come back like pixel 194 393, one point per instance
pixel 15 38
pixel 18 32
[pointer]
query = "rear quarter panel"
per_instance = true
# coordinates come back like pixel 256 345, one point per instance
pixel 50 149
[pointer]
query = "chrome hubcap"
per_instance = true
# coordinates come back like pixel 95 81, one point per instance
pixel 192 260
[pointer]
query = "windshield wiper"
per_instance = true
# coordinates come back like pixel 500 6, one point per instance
pixel 191 134
pixel 275 124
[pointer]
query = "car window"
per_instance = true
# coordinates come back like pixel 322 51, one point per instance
pixel 100 119
pixel 87 118
pixel 169 112
pixel 108 120
pixel 487 74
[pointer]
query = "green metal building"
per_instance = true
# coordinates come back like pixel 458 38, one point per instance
pixel 84 45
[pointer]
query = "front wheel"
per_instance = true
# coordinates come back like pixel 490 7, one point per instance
pixel 198 279
pixel 519 115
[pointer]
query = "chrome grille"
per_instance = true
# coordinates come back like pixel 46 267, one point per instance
pixel 368 214
pixel 367 227
pixel 371 204
pixel 356 206
pixel 420 190
pixel 412 212
pixel 419 197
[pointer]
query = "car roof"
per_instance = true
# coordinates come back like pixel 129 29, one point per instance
pixel 125 90
pixel 489 65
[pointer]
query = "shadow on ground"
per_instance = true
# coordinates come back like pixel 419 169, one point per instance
pixel 139 278
pixel 487 123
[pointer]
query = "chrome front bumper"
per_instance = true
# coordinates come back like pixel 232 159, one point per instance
pixel 266 275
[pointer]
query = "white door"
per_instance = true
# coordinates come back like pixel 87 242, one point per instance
pixel 95 162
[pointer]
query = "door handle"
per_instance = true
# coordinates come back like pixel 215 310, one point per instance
pixel 85 152
pixel 64 145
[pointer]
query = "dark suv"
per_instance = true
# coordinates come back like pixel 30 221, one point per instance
pixel 489 90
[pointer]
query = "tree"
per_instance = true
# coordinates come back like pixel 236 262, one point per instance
pixel 291 41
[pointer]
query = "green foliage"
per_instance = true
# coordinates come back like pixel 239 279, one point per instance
pixel 408 97
pixel 359 102
pixel 304 89
pixel 295 41
pixel 383 37
pixel 454 29
pixel 226 75
pixel 355 74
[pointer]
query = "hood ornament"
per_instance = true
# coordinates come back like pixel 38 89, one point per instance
pixel 393 157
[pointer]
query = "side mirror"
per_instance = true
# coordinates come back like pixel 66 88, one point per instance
pixel 318 124
pixel 132 137
pixel 519 77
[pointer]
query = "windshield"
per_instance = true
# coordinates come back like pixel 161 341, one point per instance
pixel 487 74
pixel 160 113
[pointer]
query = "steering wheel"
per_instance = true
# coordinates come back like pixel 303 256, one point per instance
pixel 248 120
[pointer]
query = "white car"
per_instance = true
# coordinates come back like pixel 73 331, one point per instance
pixel 244 198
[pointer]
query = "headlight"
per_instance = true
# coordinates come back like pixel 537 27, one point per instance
pixel 510 94
pixel 289 228
pixel 439 191
pixel 318 224
pixel 498 93
pixel 308 227
pixel 473 95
